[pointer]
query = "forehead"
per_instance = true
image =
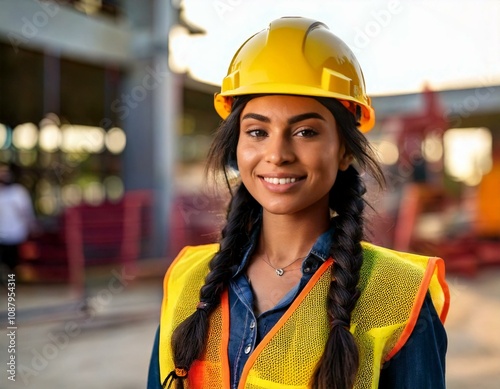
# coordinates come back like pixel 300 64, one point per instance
pixel 273 105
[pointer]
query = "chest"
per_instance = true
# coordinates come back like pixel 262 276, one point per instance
pixel 268 287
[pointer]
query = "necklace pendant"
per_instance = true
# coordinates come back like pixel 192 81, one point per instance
pixel 279 272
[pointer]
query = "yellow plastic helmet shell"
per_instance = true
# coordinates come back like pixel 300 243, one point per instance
pixel 297 56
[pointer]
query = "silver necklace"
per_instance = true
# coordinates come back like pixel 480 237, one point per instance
pixel 280 270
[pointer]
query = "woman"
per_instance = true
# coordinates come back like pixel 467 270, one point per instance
pixel 291 297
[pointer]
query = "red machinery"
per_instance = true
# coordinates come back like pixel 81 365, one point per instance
pixel 425 200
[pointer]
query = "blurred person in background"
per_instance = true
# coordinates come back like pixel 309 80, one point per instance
pixel 293 296
pixel 17 219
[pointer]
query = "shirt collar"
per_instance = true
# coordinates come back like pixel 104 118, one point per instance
pixel 320 249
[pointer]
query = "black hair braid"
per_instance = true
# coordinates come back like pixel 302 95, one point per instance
pixel 339 364
pixel 188 339
pixel 243 211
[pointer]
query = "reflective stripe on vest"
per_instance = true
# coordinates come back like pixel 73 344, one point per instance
pixel 393 286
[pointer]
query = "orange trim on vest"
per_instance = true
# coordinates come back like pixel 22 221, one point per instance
pixel 417 306
pixel 312 282
pixel 224 357
pixel 446 291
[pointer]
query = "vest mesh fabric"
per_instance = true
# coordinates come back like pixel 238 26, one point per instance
pixel 391 283
pixel 287 357
pixel 181 294
pixel 393 287
pixel 207 372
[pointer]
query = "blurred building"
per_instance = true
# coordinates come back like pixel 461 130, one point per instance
pixel 90 111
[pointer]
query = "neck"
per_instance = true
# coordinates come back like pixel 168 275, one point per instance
pixel 286 237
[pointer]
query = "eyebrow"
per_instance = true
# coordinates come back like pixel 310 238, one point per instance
pixel 304 116
pixel 256 116
pixel 292 120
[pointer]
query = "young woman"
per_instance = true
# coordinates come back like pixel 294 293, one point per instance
pixel 291 296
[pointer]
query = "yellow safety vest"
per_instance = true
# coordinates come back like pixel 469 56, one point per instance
pixel 393 287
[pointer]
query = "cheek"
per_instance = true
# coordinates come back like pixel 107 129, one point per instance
pixel 245 157
pixel 326 160
pixel 326 169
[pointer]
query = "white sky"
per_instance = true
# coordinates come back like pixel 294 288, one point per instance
pixel 400 44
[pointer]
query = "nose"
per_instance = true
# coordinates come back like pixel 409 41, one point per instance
pixel 279 151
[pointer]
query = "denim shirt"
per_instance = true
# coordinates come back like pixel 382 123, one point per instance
pixel 246 329
pixel 419 364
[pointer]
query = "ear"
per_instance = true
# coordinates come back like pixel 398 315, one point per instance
pixel 345 161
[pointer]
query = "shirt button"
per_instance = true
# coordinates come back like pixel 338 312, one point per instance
pixel 248 349
pixel 307 270
pixel 252 324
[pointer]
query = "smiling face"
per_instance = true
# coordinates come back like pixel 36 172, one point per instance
pixel 289 153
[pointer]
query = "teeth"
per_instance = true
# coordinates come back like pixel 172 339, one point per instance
pixel 279 181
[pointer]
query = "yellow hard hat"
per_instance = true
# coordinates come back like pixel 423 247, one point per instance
pixel 297 56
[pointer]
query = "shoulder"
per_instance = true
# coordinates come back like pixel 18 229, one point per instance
pixel 394 267
pixel 402 276
pixel 195 252
pixel 413 274
pixel 19 188
pixel 378 255
pixel 390 281
pixel 191 255
pixel 19 192
pixel 191 260
pixel 393 287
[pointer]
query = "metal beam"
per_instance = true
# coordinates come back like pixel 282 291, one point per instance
pixel 49 26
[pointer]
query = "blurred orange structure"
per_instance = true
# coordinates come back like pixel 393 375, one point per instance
pixel 467 247
pixel 488 204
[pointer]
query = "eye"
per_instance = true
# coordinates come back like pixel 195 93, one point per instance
pixel 256 133
pixel 306 133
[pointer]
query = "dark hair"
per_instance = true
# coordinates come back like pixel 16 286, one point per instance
pixel 338 366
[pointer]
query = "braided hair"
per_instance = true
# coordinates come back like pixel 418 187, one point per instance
pixel 339 363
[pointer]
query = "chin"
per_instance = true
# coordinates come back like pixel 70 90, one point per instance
pixel 282 209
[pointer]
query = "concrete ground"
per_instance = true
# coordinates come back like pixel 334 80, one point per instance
pixel 59 347
pixel 473 325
